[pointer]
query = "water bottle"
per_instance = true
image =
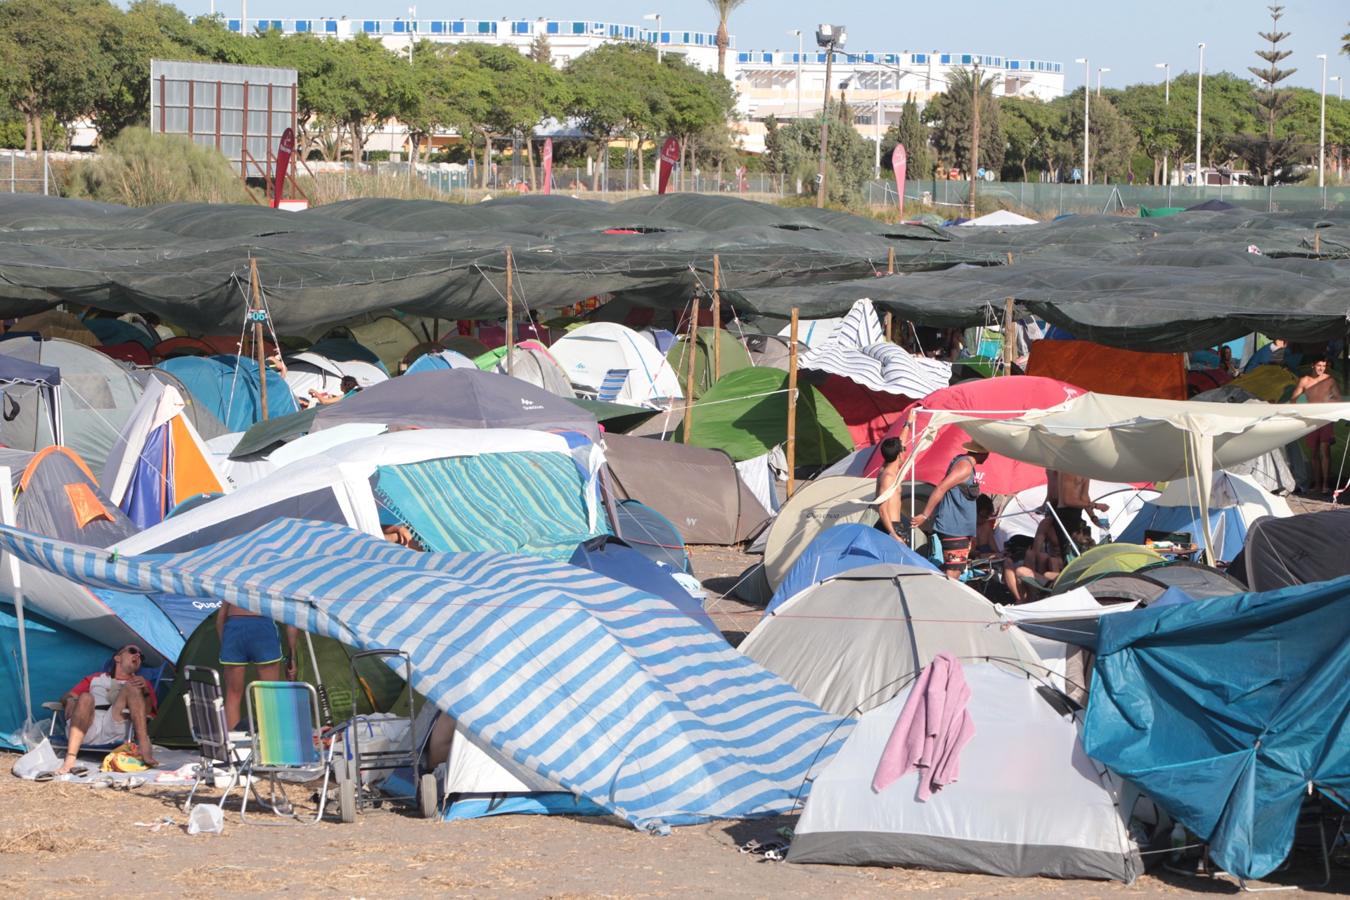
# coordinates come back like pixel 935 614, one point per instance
pixel 1178 841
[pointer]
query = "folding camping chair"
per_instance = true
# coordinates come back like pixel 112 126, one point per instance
pixel 206 723
pixel 612 385
pixel 287 745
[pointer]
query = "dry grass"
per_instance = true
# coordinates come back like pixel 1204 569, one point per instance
pixel 331 187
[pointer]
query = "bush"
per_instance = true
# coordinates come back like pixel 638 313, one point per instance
pixel 138 168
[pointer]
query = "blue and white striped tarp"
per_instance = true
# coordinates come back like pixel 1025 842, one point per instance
pixel 610 693
pixel 857 350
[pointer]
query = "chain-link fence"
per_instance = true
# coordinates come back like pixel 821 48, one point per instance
pixel 25 172
pixel 1046 200
pixel 467 182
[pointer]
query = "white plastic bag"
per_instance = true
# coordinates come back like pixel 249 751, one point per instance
pixel 40 759
pixel 206 818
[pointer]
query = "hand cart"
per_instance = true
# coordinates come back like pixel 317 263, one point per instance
pixel 353 766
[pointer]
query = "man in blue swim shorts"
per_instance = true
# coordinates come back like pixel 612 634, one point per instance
pixel 249 639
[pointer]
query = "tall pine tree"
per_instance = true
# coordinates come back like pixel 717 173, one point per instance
pixel 1271 155
pixel 911 132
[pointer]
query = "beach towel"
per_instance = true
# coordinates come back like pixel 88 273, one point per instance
pixel 933 727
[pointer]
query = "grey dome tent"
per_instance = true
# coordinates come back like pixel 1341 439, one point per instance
pixel 1195 580
pixel 1296 550
pixel 852 642
pixel 1028 801
pixel 19 380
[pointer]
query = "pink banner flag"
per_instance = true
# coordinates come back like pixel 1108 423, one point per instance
pixel 548 165
pixel 742 179
pixel 285 148
pixel 670 155
pixel 898 159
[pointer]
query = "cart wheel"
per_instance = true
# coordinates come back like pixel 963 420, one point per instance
pixel 426 796
pixel 347 800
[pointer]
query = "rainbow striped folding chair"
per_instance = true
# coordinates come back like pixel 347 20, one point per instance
pixel 283 718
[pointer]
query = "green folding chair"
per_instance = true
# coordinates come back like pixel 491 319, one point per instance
pixel 283 717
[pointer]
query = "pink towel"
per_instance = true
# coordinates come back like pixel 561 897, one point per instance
pixel 933 727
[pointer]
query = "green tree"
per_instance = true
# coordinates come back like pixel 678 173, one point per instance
pixel 697 103
pixel 616 92
pixel 793 151
pixel 56 62
pixel 522 94
pixel 911 132
pixel 950 114
pixel 541 51
pixel 368 85
pixel 450 90
pixel 1268 154
pixel 1030 129
pixel 724 10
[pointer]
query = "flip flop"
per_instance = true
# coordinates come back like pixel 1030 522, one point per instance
pixel 45 776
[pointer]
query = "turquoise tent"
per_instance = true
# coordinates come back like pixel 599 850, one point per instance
pixel 228 387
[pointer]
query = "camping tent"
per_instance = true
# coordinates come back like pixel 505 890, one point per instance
pixel 1109 369
pixel 589 352
pixel 1023 512
pixel 19 380
pixel 487 488
pixel 159 459
pixel 228 386
pixel 1297 550
pixel 202 419
pixel 746 412
pixel 838 549
pixel 999 218
pixel 826 641
pixel 613 558
pixel 1105 559
pixel 770 350
pixel 389 338
pixel 659 723
pixel 652 535
pixel 459 398
pixel 697 489
pixel 97 396
pixel 998 474
pixel 1028 802
pixel 1235 503
pixel 57 658
pixel 530 362
pixel 440 359
pixel 734 357
pixel 1193 579
pixel 309 371
pixel 812 332
pixel 1228 712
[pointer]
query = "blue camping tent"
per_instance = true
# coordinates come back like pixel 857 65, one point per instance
pixel 1226 711
pixel 1235 503
pixel 228 387
pixel 564 671
pixel 613 558
pixel 439 360
pixel 838 549
pixel 57 659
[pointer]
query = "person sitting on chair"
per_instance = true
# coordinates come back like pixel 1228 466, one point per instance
pixel 99 708
pixel 1050 551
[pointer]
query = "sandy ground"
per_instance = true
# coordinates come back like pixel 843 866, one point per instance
pixel 73 840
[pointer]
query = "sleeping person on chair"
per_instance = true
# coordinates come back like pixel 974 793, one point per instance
pixel 99 707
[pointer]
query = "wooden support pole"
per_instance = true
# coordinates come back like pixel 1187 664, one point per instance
pixel 890 260
pixel 510 312
pixel 1010 257
pixel 690 344
pixel 792 407
pixel 1317 243
pixel 887 323
pixel 259 348
pixel 717 318
pixel 1009 336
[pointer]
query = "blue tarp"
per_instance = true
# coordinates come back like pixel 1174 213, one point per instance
pixel 613 558
pixel 231 396
pixel 1225 710
pixel 839 549
pixel 564 671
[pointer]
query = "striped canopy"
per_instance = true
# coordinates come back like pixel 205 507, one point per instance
pixel 610 693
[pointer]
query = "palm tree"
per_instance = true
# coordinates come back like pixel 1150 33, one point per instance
pixel 724 9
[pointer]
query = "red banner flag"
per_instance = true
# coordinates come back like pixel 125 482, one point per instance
pixel 898 159
pixel 548 165
pixel 742 179
pixel 670 155
pixel 284 150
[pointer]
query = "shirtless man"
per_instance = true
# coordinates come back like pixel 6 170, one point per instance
pixel 1320 387
pixel 889 509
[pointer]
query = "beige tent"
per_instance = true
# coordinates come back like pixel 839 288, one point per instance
pixel 1132 439
pixel 856 640
pixel 697 489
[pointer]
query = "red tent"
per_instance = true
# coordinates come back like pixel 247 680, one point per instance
pixel 999 397
pixel 869 415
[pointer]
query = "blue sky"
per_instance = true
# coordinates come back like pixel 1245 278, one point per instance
pixel 1127 37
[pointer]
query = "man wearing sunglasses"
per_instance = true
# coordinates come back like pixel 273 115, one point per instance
pixel 99 707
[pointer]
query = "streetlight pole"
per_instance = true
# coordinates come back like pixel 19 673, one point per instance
pixel 1167 102
pixel 412 33
pixel 1087 97
pixel 1100 70
pixel 876 166
pixel 1199 102
pixel 657 18
pixel 828 37
pixel 1322 129
pixel 798 33
pixel 974 135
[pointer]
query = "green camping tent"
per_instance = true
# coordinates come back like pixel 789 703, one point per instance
pixel 378 688
pixel 734 358
pixel 745 415
pixel 1105 559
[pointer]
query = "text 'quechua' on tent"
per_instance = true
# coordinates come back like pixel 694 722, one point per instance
pixel 607 692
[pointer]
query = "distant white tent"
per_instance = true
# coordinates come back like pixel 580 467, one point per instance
pixel 998 219
pixel 1028 800
pixel 590 352
pixel 311 371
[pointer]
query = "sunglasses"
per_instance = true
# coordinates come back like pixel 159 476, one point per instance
pixel 134 651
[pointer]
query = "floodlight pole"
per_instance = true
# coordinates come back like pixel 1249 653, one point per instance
pixel 824 128
pixel 1087 101
pixel 1199 105
pixel 656 17
pixel 1167 103
pixel 798 33
pixel 1322 132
